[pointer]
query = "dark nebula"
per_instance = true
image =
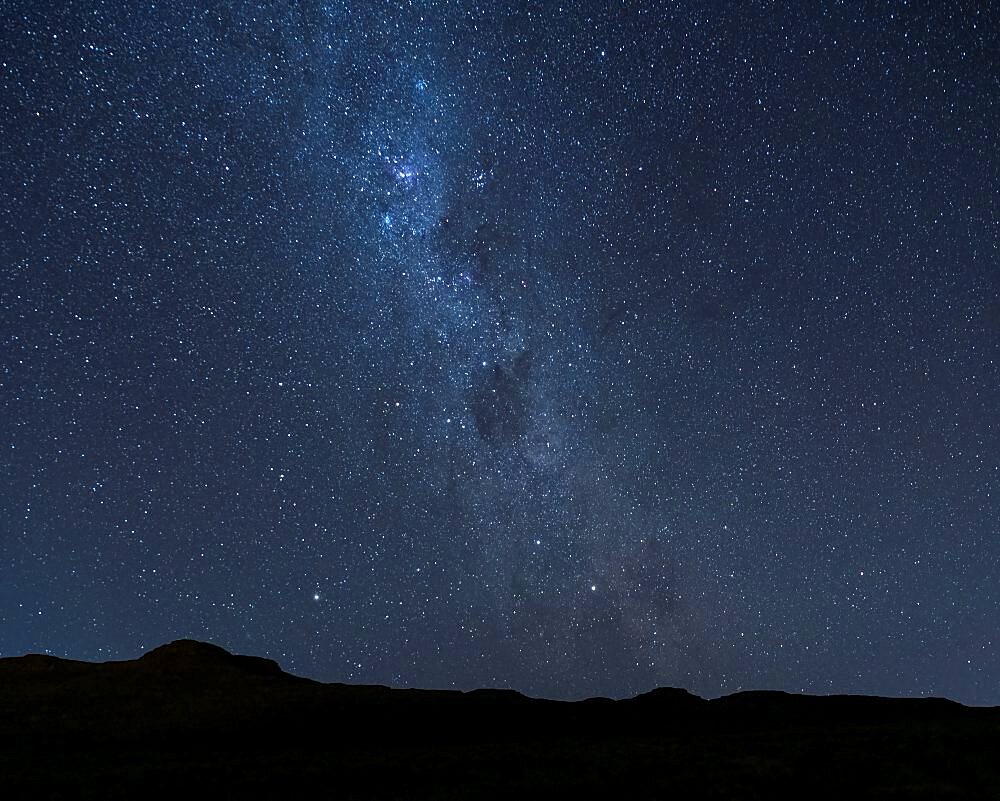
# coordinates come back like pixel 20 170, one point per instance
pixel 501 407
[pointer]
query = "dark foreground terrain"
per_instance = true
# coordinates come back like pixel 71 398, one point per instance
pixel 190 720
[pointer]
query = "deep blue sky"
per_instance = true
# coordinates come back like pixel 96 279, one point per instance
pixel 577 350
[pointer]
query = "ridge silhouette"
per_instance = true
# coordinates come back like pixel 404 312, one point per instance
pixel 190 714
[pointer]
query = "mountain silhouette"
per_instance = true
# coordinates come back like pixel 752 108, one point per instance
pixel 191 719
pixel 191 656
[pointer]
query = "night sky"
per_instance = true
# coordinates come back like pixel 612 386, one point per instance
pixel 574 349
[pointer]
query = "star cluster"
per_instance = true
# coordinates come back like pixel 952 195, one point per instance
pixel 578 349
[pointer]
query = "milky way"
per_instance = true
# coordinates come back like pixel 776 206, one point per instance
pixel 577 350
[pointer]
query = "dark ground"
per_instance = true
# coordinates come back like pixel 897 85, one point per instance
pixel 191 720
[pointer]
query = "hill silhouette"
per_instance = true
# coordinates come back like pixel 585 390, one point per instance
pixel 191 719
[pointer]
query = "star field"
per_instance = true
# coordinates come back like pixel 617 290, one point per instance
pixel 577 349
